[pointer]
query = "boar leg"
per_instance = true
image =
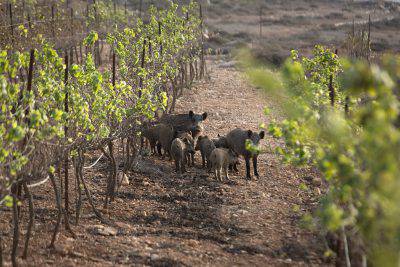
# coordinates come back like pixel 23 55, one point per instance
pixel 247 159
pixel 203 160
pixel 177 166
pixel 192 156
pixel 183 163
pixel 226 173
pixel 159 149
pixel 214 170
pixel 142 143
pixel 183 167
pixel 219 174
pixel 152 148
pixel 235 167
pixel 255 166
pixel 188 159
pixel 169 154
pixel 208 165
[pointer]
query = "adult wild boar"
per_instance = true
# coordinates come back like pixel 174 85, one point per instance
pixel 166 134
pixel 190 122
pixel 236 140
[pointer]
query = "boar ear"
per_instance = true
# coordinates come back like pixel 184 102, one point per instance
pixel 249 133
pixel 204 115
pixel 218 135
pixel 206 136
pixel 199 138
pixel 262 134
pixel 191 114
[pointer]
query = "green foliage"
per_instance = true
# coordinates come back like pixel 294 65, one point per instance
pixel 97 109
pixel 358 155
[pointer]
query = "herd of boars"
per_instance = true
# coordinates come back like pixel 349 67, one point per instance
pixel 180 135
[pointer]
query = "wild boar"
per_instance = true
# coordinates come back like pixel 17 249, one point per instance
pixel 220 141
pixel 236 140
pixel 166 133
pixel 180 148
pixel 151 133
pixel 206 146
pixel 220 159
pixel 190 156
pixel 190 122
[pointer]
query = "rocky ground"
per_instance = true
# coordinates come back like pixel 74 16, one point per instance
pixel 162 219
pixel 300 25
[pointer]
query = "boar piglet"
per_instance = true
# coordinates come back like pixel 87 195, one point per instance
pixel 180 148
pixel 189 156
pixel 220 141
pixel 206 146
pixel 220 159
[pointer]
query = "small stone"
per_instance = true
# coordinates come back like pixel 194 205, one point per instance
pixel 123 225
pixel 123 179
pixel 193 243
pixel 104 230
pixel 154 257
pixel 242 212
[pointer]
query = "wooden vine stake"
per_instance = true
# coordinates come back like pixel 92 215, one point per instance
pixel 26 189
pixel 369 39
pixel 16 188
pixel 66 161
pixel 1 252
pixel 331 91
pixel 11 22
pixel 261 21
pixel 31 219
pixel 113 70
pixel 159 33
pixel 111 184
pixel 142 66
pixel 14 250
pixel 72 25
pixel 202 63
pixel 71 61
pixel 53 32
pixel 140 8
pixel 30 71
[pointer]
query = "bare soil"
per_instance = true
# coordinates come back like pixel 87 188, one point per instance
pixel 163 219
pixel 300 25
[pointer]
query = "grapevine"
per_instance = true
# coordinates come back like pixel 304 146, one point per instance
pixel 68 109
pixel 356 152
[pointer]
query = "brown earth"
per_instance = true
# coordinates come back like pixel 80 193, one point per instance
pixel 300 25
pixel 162 219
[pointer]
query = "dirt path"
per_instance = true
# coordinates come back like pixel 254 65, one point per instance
pixel 167 220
